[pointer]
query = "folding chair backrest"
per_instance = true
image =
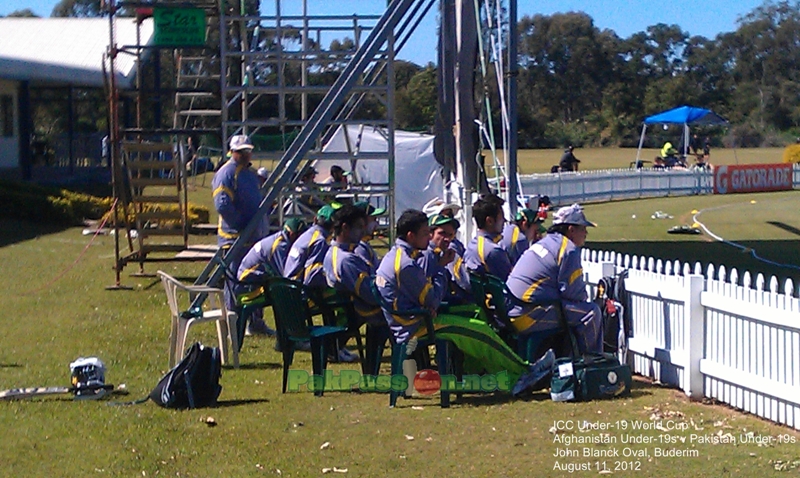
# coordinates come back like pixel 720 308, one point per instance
pixel 171 285
pixel 495 290
pixel 477 285
pixel 291 308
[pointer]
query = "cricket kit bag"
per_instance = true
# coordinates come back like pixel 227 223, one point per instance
pixel 589 376
pixel 193 383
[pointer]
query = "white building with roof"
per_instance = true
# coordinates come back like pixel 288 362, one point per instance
pixel 55 52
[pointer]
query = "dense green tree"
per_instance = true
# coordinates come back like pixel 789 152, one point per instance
pixel 415 105
pixel 77 8
pixel 24 13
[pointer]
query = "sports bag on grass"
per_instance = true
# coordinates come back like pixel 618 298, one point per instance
pixel 590 377
pixel 193 383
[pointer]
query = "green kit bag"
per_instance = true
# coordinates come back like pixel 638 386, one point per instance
pixel 589 377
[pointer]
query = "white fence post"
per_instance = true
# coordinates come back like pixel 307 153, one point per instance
pixel 694 335
pixel 607 269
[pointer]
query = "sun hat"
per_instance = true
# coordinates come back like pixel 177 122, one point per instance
pixel 239 142
pixel 572 215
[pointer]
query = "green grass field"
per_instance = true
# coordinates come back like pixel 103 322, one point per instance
pixel 533 161
pixel 57 310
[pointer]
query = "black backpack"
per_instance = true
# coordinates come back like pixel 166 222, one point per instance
pixel 193 383
pixel 614 303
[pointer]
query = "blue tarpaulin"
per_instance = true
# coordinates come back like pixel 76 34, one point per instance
pixel 686 115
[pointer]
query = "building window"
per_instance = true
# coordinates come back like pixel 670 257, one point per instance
pixel 6 116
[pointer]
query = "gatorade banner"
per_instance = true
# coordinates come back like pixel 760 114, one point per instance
pixel 752 178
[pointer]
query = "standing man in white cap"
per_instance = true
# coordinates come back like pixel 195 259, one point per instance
pixel 237 195
pixel 550 271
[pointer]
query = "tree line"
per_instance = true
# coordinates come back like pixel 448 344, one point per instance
pixel 585 86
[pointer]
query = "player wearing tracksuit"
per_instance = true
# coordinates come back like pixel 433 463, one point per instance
pixel 363 249
pixel 306 255
pixel 485 252
pixel 520 234
pixel 268 256
pixel 306 259
pixel 550 271
pixel 346 271
pixel 443 229
pixel 237 196
pixel 403 286
pixel 265 259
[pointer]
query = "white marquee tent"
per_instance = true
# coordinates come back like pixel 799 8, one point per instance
pixel 418 177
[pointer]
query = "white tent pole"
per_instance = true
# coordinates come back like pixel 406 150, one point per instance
pixel 685 139
pixel 641 142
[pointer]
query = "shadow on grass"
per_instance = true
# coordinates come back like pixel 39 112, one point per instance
pixel 638 389
pixel 256 366
pixel 784 252
pixel 785 227
pixel 236 403
pixel 10 365
pixel 13 231
pixel 157 282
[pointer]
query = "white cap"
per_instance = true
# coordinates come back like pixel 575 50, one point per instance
pixel 240 142
pixel 263 172
pixel 436 206
pixel 572 215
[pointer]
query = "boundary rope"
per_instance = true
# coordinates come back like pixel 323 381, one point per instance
pixel 75 262
pixel 741 247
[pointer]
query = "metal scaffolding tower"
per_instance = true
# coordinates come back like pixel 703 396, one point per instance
pixel 148 157
pixel 272 60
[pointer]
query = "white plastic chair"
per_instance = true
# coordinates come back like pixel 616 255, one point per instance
pixel 216 312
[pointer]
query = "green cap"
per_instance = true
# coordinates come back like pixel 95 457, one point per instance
pixel 526 214
pixel 442 219
pixel 294 224
pixel 326 212
pixel 370 209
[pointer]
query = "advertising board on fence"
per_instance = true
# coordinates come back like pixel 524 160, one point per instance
pixel 752 178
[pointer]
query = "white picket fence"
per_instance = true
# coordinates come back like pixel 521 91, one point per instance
pixel 717 335
pixel 615 184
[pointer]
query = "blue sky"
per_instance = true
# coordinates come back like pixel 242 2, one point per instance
pixel 697 17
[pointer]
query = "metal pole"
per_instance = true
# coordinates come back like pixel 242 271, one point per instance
pixel 244 62
pixel 511 163
pixel 390 128
pixel 223 78
pixel 304 65
pixel 113 146
pixel 71 128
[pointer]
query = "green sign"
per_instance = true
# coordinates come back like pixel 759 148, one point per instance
pixel 179 26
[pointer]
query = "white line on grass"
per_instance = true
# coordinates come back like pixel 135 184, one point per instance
pixel 734 244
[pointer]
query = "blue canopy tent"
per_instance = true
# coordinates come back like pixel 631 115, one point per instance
pixel 685 115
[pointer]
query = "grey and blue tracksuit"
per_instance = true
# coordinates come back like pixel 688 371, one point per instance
pixel 515 242
pixel 403 286
pixel 550 271
pixel 365 251
pixel 346 271
pixel 265 259
pixel 485 253
pixel 304 262
pixel 237 196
